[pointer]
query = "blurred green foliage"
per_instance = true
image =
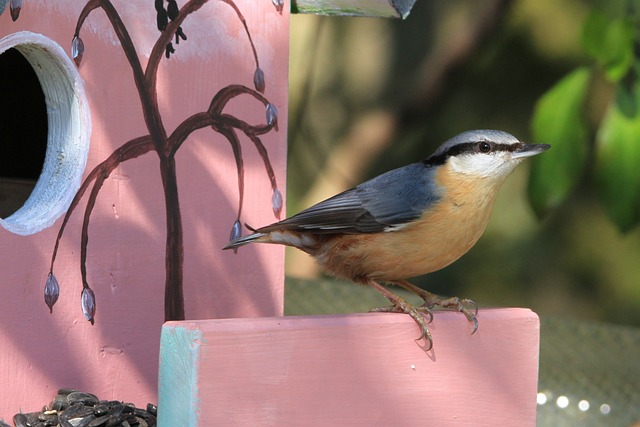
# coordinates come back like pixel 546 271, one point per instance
pixel 558 121
pixel 611 40
pixel 618 165
pixel 538 72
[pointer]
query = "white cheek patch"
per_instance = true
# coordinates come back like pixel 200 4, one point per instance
pixel 484 165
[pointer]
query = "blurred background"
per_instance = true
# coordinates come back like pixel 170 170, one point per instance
pixel 368 95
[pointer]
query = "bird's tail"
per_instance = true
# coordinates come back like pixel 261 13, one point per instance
pixel 244 240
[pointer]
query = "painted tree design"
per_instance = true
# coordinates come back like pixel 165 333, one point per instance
pixel 166 144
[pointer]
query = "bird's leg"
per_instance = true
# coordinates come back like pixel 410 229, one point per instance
pixel 465 306
pixel 402 306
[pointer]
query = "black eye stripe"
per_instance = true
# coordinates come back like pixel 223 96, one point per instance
pixel 470 147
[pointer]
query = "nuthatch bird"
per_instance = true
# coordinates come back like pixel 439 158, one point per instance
pixel 407 222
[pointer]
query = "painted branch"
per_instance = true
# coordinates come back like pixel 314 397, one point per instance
pixel 157 52
pixel 246 29
pixel 84 239
pixel 350 370
pixel 86 10
pixel 147 96
pixel 184 129
pixel 174 256
pixel 151 72
pixel 231 135
pixel 262 150
pixel 244 126
pixel 374 8
pixel 202 120
pixel 227 93
pixel 129 150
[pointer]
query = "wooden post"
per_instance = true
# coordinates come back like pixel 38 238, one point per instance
pixel 350 370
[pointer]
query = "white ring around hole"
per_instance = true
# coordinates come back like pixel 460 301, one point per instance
pixel 69 132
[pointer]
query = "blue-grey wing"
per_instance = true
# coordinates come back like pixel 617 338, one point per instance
pixel 389 200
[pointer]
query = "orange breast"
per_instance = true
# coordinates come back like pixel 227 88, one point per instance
pixel 443 234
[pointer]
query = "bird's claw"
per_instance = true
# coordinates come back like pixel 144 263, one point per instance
pixel 466 306
pixel 414 312
pixel 471 315
pixel 426 310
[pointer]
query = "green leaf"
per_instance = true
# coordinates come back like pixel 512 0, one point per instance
pixel 594 33
pixel 619 48
pixel 618 166
pixel 610 43
pixel 558 121
pixel 626 101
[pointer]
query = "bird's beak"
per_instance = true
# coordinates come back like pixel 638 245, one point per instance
pixel 528 150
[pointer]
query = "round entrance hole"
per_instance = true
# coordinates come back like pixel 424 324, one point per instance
pixel 47 169
pixel 23 131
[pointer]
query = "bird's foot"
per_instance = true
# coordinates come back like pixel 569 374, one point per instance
pixel 401 306
pixel 465 306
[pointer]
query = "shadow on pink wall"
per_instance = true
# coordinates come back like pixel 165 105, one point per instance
pixel 128 329
pixel 166 145
pixel 125 253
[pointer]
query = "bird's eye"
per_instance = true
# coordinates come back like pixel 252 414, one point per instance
pixel 484 147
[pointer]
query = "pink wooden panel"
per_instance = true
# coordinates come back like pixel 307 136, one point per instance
pixel 350 370
pixel 117 357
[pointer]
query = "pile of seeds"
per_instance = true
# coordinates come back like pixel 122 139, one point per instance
pixel 72 408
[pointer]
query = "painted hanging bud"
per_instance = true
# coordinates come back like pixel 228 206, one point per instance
pixel 180 35
pixel 162 20
pixel 276 202
pixel 77 50
pixel 51 291
pixel 279 4
pixel 3 5
pixel 272 116
pixel 159 4
pixel 14 8
pixel 168 50
pixel 236 233
pixel 172 9
pixel 88 304
pixel 258 80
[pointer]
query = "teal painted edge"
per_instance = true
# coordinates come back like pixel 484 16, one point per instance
pixel 178 397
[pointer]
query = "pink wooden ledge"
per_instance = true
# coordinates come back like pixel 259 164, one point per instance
pixel 350 370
